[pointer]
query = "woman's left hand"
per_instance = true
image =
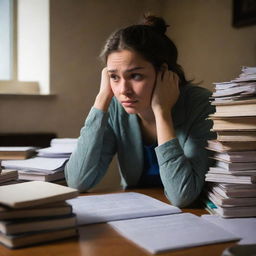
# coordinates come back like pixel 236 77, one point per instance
pixel 166 91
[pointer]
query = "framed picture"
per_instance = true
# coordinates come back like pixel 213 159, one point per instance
pixel 244 13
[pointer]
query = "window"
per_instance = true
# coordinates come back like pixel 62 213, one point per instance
pixel 24 26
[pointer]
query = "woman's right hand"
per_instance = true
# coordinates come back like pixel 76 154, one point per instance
pixel 105 93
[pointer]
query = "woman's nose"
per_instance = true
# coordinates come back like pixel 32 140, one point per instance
pixel 125 87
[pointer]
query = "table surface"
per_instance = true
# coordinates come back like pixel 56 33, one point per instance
pixel 102 240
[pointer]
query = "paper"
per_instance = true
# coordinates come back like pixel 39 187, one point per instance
pixel 42 164
pixel 171 232
pixel 242 227
pixel 103 208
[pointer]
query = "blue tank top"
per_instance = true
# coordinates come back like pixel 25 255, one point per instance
pixel 150 176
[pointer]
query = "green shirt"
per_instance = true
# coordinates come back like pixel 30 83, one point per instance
pixel 183 161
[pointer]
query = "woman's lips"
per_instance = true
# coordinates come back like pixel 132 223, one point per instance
pixel 129 103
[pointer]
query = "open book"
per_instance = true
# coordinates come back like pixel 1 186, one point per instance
pixel 151 224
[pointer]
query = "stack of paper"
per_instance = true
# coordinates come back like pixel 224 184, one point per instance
pixel 35 212
pixel 49 163
pixel 235 147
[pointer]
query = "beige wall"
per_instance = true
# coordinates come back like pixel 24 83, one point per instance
pixel 210 50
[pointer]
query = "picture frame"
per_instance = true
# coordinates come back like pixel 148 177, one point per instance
pixel 244 13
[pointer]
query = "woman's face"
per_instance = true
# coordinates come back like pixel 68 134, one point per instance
pixel 132 80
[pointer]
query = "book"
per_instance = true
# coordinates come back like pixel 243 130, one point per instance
pixel 171 232
pixel 234 212
pixel 242 227
pixel 46 210
pixel 17 152
pixel 220 200
pixel 219 170
pixel 8 175
pixel 235 110
pixel 22 240
pixel 40 164
pixel 26 175
pixel 233 123
pixel 224 146
pixel 34 193
pixel 10 227
pixel 236 156
pixel 228 178
pixel 237 190
pixel 236 166
pixel 236 136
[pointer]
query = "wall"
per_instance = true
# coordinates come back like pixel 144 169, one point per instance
pixel 211 50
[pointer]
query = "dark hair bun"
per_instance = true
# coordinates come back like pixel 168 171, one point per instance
pixel 157 23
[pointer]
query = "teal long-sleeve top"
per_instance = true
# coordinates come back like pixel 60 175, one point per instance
pixel 183 161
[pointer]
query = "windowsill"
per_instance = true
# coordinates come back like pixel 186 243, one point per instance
pixel 27 95
pixel 17 88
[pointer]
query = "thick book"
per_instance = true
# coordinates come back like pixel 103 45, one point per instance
pixel 229 178
pixel 222 201
pixel 25 175
pixel 8 175
pixel 12 227
pixel 234 166
pixel 46 210
pixel 236 156
pixel 17 152
pixel 219 170
pixel 171 232
pixel 238 190
pixel 236 136
pixel 233 124
pixel 26 239
pixel 33 193
pixel 218 146
pixel 235 110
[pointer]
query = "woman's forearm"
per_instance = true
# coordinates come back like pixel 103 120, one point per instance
pixel 164 127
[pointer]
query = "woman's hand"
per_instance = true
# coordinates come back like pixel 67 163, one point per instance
pixel 166 91
pixel 105 93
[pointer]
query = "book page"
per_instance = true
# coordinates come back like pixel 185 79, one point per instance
pixel 243 227
pixel 103 208
pixel 171 232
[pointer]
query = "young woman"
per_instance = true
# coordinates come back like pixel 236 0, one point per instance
pixel 147 113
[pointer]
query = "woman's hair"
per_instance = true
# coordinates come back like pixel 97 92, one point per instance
pixel 150 41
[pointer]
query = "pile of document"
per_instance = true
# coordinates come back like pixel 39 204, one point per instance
pixel 35 212
pixel 47 165
pixel 232 180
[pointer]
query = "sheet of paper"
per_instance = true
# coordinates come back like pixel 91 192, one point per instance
pixel 43 164
pixel 242 227
pixel 171 232
pixel 118 206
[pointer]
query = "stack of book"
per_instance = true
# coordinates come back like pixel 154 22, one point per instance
pixel 8 177
pixel 35 212
pixel 15 153
pixel 232 181
pixel 48 165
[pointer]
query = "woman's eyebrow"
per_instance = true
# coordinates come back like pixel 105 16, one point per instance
pixel 126 71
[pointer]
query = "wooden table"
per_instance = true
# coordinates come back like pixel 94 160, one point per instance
pixel 102 240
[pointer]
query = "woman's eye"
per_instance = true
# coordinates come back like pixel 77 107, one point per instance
pixel 137 77
pixel 114 77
